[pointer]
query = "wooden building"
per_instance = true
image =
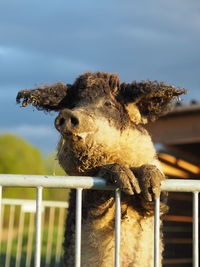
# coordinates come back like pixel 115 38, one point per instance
pixel 178 134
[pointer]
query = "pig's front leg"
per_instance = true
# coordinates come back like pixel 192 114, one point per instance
pixel 149 178
pixel 120 176
pixel 144 181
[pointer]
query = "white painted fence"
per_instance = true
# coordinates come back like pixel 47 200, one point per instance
pixel 20 220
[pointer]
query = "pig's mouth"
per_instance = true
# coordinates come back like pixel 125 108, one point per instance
pixel 67 134
pixel 81 135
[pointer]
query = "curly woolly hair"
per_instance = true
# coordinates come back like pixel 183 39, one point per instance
pixel 152 98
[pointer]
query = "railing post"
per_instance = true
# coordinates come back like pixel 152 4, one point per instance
pixel 59 235
pixel 78 227
pixel 20 239
pixel 30 240
pixel 50 236
pixel 117 226
pixel 157 233
pixel 10 235
pixel 38 226
pixel 195 230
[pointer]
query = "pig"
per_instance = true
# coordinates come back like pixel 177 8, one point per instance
pixel 102 127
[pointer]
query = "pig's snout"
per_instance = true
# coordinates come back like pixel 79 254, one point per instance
pixel 67 122
pixel 75 122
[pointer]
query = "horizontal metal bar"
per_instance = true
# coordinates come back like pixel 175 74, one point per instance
pixel 87 182
pixel 183 185
pixel 13 201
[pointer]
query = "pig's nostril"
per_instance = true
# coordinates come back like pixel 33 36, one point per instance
pixel 59 123
pixel 74 121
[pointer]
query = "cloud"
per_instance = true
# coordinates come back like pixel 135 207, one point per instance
pixel 41 136
pixel 140 37
pixel 43 41
pixel 25 130
pixel 26 67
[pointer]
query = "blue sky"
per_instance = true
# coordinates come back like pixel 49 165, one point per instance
pixel 50 41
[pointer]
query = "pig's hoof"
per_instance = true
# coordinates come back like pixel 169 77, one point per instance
pixel 120 176
pixel 149 177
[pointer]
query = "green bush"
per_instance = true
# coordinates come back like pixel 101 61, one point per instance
pixel 17 156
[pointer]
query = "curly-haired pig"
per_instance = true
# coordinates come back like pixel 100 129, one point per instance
pixel 101 123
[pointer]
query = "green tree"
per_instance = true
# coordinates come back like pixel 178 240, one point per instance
pixel 17 156
pixel 52 166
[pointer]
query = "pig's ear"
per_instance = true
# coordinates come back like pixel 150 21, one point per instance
pixel 148 99
pixel 48 97
pixel 114 83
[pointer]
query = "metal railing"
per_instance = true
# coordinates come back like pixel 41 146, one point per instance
pixel 80 183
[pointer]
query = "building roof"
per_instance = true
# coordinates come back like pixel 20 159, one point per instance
pixel 179 130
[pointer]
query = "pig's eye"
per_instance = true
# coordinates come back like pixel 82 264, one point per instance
pixel 108 104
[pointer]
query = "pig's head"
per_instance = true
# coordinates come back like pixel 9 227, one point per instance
pixel 100 120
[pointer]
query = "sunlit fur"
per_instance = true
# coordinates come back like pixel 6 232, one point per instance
pixel 135 114
pixel 136 240
pixel 104 146
pixel 107 145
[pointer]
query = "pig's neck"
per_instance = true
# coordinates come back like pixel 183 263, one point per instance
pixel 131 148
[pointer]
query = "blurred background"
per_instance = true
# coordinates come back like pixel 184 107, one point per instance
pixel 51 41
